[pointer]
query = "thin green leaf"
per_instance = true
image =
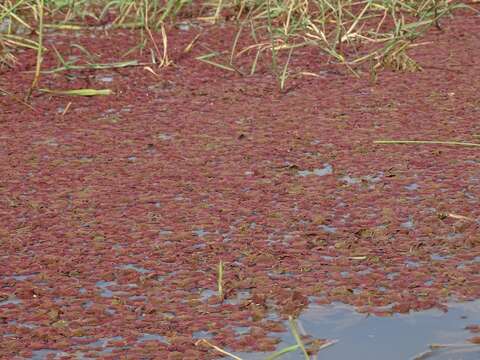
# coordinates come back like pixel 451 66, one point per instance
pixel 282 352
pixel 296 335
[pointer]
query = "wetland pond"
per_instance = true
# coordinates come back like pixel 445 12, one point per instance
pixel 118 210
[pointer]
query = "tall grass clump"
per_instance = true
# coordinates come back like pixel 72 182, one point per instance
pixel 354 33
pixel 348 32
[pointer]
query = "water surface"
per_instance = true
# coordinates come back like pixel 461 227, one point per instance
pixel 400 337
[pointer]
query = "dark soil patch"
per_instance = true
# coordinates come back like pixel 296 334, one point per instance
pixel 115 216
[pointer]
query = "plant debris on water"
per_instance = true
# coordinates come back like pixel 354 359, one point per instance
pixel 250 159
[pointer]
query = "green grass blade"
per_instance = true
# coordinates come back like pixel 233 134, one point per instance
pixel 205 59
pixel 93 66
pixel 282 352
pixel 420 142
pixel 296 335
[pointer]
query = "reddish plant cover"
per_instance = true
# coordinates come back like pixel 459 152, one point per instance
pixel 115 215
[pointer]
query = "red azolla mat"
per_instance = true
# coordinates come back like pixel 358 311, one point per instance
pixel 115 215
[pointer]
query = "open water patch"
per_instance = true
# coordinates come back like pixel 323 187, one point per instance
pixel 399 337
pixel 13 300
pixel 202 334
pixel 44 354
pixel 326 170
pixel 134 267
pixel 20 277
pixel 152 337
